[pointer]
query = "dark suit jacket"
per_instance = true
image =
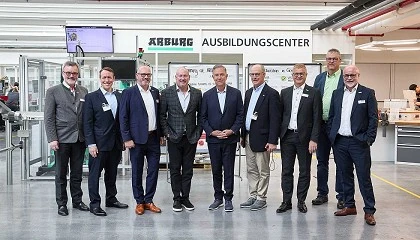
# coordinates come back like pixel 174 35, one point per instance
pixel 231 118
pixel 309 113
pixel 364 115
pixel 100 127
pixel 134 121
pixel 63 114
pixel 173 119
pixel 266 128
pixel 320 82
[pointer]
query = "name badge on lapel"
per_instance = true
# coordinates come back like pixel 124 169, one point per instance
pixel 254 116
pixel 361 101
pixel 106 107
pixel 82 100
pixel 305 95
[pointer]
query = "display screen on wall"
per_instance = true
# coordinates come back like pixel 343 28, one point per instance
pixel 91 39
pixel 123 69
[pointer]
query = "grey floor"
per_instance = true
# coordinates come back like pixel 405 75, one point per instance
pixel 28 211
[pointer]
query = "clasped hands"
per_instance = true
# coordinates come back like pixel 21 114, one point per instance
pixel 222 134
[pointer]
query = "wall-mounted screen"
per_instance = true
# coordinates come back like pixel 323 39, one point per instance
pixel 91 39
pixel 123 69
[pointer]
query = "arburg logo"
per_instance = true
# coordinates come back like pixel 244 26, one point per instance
pixel 171 42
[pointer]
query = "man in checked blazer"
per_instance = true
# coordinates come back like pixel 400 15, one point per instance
pixel 64 130
pixel 301 109
pixel 180 121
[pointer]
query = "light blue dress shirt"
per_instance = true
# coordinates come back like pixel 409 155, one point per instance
pixel 252 102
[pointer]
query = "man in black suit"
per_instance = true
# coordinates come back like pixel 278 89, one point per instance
pixel 64 129
pixel 103 138
pixel 141 133
pixel 259 135
pixel 326 83
pixel 222 118
pixel 301 109
pixel 352 127
pixel 180 120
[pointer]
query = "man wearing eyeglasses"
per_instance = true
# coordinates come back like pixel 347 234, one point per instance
pixel 301 109
pixel 64 130
pixel 259 135
pixel 352 127
pixel 326 83
pixel 180 120
pixel 141 134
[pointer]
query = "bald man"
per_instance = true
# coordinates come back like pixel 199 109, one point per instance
pixel 179 117
pixel 352 127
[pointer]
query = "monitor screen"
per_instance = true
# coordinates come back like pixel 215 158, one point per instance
pixel 123 69
pixel 91 39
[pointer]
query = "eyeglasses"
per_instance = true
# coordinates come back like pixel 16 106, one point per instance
pixel 350 75
pixel 299 74
pixel 254 74
pixel 68 74
pixel 331 59
pixel 145 74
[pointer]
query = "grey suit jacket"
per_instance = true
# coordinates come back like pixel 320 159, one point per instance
pixel 63 114
pixel 173 119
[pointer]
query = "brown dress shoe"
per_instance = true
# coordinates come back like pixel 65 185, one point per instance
pixel 140 209
pixel 370 220
pixel 346 211
pixel 152 207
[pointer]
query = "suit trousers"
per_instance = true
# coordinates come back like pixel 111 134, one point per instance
pixel 258 171
pixel 181 161
pixel 150 150
pixel 290 147
pixel 222 157
pixel 72 153
pixel 349 151
pixel 323 157
pixel 107 160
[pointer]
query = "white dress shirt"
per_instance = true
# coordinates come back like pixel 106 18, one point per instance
pixel 184 98
pixel 297 95
pixel 221 95
pixel 346 107
pixel 149 102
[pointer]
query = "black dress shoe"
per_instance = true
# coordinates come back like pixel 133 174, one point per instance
pixel 81 206
pixel 284 207
pixel 98 211
pixel 340 204
pixel 116 204
pixel 63 211
pixel 319 200
pixel 302 207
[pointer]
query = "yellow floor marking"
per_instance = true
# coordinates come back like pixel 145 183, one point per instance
pixel 395 185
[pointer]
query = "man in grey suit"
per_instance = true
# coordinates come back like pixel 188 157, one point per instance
pixel 301 109
pixel 180 121
pixel 64 130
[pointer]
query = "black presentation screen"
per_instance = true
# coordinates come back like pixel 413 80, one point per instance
pixel 123 69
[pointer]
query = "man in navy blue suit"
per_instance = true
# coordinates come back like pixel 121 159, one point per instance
pixel 352 127
pixel 103 138
pixel 222 118
pixel 140 131
pixel 326 83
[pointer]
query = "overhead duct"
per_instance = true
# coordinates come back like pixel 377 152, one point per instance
pixel 392 21
pixel 351 9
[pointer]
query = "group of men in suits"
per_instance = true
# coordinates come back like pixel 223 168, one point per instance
pixel 305 119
